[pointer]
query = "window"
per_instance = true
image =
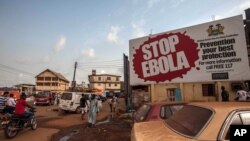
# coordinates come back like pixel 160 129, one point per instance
pixel 188 125
pixel 54 84
pixel 236 86
pixel 109 84
pixel 66 96
pixel 48 78
pixel 108 78
pixel 245 118
pixel 47 84
pixel 175 108
pixel 54 78
pixel 236 121
pixel 240 118
pixel 43 94
pixel 171 94
pixel 208 89
pixel 141 113
pixel 169 110
pixel 99 78
pixel 39 84
pixel 117 78
pixel 115 84
pixel 165 112
pixel 40 78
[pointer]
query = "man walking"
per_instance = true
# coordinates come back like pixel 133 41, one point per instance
pixel 83 106
pixel 224 94
pixel 92 111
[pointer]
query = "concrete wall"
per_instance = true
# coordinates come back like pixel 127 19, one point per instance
pixel 190 91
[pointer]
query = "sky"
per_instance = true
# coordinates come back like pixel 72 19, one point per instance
pixel 36 35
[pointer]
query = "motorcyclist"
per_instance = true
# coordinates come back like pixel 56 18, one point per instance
pixel 21 105
pixel 10 104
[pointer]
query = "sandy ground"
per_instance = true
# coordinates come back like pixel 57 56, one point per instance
pixel 59 126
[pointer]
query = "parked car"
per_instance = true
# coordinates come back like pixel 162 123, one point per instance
pixel 157 111
pixel 43 98
pixel 195 121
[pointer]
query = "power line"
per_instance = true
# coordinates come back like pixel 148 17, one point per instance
pixel 17 70
pixel 111 65
pixel 110 61
pixel 89 69
pixel 14 73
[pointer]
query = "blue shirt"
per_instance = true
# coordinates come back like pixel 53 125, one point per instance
pixel 2 102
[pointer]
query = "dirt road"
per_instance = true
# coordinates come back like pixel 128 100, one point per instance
pixel 55 126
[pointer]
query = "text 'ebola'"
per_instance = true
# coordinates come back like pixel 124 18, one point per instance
pixel 165 57
pixel 163 48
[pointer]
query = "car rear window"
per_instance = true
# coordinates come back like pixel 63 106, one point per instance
pixel 141 113
pixel 169 110
pixel 189 120
pixel 66 96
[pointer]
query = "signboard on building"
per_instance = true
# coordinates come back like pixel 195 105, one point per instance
pixel 213 51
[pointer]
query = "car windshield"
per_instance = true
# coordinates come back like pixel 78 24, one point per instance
pixel 141 113
pixel 66 96
pixel 189 120
pixel 42 95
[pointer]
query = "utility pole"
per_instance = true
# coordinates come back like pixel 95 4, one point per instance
pixel 73 85
pixel 127 87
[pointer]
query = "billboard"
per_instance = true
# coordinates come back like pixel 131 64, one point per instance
pixel 213 51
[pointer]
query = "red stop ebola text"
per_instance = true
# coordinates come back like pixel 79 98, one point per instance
pixel 165 57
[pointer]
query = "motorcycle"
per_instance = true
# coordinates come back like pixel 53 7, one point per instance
pixel 18 123
pixel 5 119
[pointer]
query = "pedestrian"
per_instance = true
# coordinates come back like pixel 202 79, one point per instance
pixel 110 104
pixel 55 101
pixel 99 101
pixel 10 104
pixel 58 99
pixel 114 103
pixel 224 94
pixel 241 95
pixel 83 103
pixel 92 111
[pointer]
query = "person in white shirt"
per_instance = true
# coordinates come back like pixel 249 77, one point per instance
pixel 241 95
pixel 114 103
pixel 10 104
pixel 99 104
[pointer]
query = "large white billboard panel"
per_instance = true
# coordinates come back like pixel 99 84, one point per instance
pixel 213 51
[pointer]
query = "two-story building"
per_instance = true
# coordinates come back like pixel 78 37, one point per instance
pixel 49 80
pixel 105 82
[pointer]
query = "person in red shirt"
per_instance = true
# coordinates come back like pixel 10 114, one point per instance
pixel 21 105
